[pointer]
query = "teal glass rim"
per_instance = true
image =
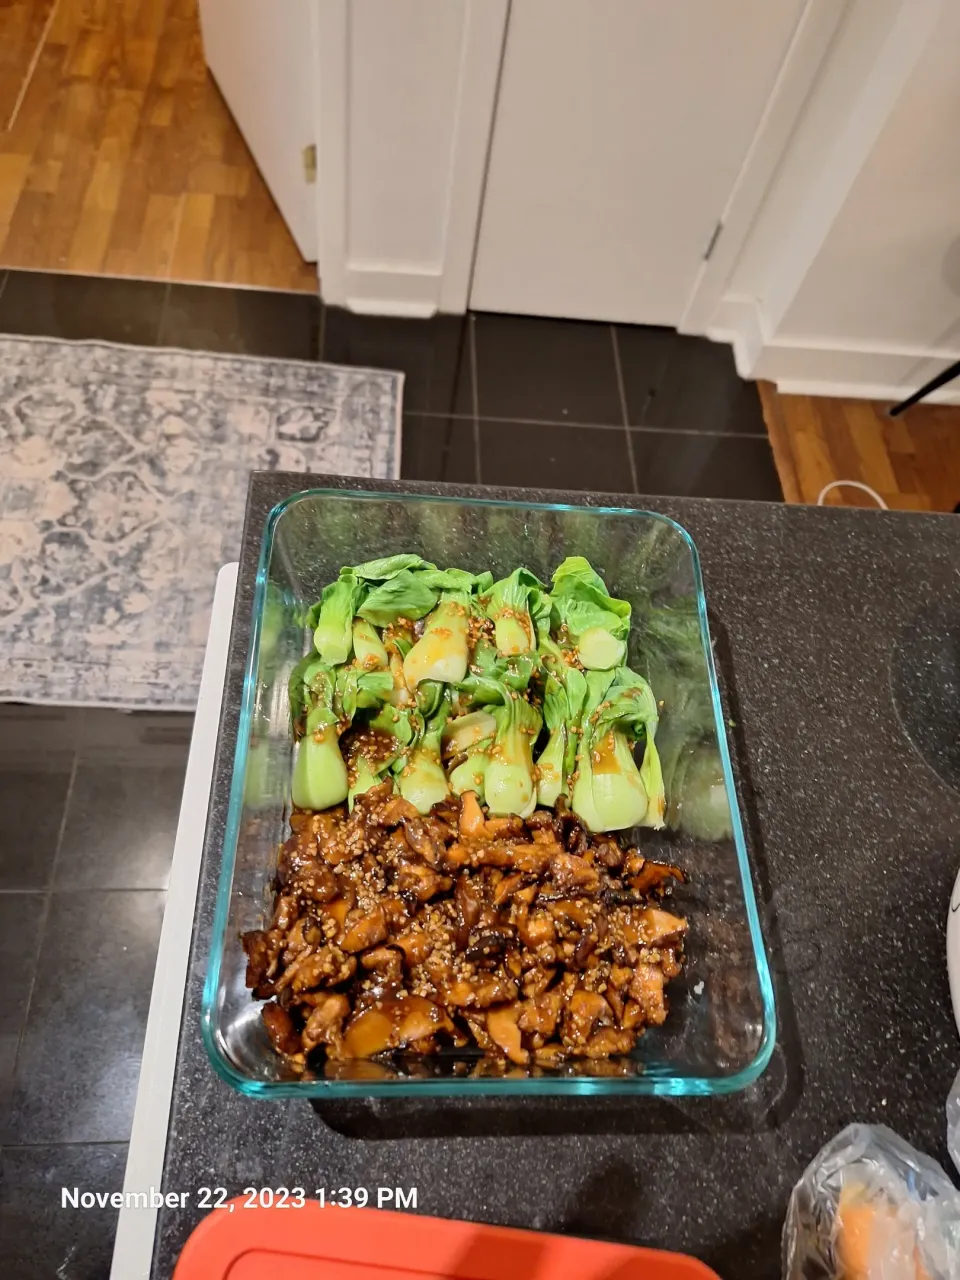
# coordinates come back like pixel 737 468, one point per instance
pixel 651 1083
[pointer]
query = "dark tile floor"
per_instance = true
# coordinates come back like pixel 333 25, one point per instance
pixel 487 398
pixel 89 799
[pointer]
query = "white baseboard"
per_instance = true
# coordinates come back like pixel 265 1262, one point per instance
pixel 864 391
pixel 739 321
pixel 807 367
pixel 381 290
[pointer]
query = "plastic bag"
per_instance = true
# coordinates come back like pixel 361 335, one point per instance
pixel 869 1207
pixel 953 1123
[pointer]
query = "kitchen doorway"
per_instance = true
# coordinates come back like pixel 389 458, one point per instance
pixel 120 157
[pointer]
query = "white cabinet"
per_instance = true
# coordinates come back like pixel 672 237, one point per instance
pixel 620 129
pixel 264 59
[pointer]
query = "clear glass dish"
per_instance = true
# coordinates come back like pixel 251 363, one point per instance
pixel 721 1028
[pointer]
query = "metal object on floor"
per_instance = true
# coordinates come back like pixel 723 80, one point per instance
pixel 947 375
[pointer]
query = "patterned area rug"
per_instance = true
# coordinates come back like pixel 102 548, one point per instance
pixel 123 476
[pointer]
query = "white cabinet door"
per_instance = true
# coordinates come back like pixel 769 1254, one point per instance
pixel 620 129
pixel 263 57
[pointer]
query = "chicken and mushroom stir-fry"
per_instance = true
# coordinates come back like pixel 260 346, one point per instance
pixel 528 938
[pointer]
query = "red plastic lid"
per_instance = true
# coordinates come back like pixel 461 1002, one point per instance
pixel 314 1243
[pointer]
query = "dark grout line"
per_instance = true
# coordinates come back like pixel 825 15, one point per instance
pixel 475 391
pixel 594 426
pixel 63 821
pixel 32 985
pixel 44 916
pixel 621 392
pixel 32 1146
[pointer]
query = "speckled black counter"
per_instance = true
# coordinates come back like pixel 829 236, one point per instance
pixel 823 620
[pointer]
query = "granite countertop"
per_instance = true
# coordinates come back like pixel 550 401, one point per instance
pixel 826 621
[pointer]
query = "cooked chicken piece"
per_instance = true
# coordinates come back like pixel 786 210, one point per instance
pixel 386 961
pixel 315 882
pixel 532 859
pixel 589 941
pixel 572 872
pixel 478 1029
pixel 285 913
pixel 535 927
pixel 263 950
pixel 632 1016
pixel 660 927
pixel 420 880
pixel 633 862
pixel 670 963
pixel 393 1024
pixel 337 910
pixel 585 1011
pixel 607 1042
pixel 479 993
pixel 551 1055
pixel 417 1019
pixel 540 1015
pixel 280 1028
pixel 367 1034
pixel 395 910
pixel 453 857
pixel 504 828
pixel 415 945
pixel 577 914
pixel 646 987
pixel 503 1031
pixel 506 889
pixel 543 835
pixel 331 966
pixel 610 855
pixel 325 1023
pixel 420 840
pixel 305 933
pixel 537 980
pixel 362 930
pixel 393 812
pixel 296 854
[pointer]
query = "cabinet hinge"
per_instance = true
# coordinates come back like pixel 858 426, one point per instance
pixel 715 236
pixel 310 163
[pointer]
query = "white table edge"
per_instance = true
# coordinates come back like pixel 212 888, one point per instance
pixel 136 1227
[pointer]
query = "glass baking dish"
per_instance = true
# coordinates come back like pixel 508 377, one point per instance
pixel 721 1028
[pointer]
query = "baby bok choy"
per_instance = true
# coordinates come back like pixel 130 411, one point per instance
pixel 610 793
pixel 563 701
pixel 319 772
pixel 588 616
pixel 441 680
pixel 511 606
pixel 509 781
pixel 419 772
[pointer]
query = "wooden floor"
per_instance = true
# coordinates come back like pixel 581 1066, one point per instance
pixel 118 155
pixel 913 461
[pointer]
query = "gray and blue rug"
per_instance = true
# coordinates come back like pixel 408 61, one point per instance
pixel 123 475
